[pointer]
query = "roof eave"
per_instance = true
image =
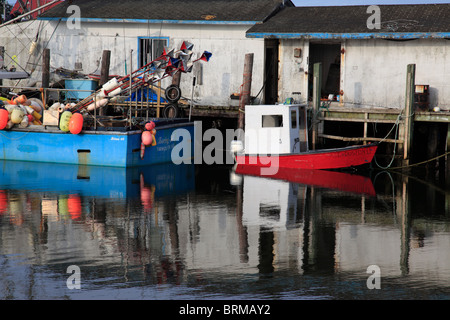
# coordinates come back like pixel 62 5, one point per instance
pixel 360 36
pixel 109 20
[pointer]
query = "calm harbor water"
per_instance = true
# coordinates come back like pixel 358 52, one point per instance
pixel 191 233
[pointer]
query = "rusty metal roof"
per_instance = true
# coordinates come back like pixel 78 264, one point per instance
pixel 170 11
pixel 351 22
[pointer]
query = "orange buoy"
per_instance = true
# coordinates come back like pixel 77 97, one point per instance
pixel 147 138
pixel 76 123
pixel 150 126
pixel 20 99
pixel 4 114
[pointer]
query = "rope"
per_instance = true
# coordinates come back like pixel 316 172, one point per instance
pixel 395 144
pixel 14 139
pixel 420 163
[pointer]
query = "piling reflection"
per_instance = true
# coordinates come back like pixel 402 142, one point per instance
pixel 209 233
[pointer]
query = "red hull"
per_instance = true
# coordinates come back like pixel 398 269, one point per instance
pixel 319 178
pixel 324 159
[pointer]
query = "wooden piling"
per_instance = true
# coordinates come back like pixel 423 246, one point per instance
pixel 317 88
pixel 104 72
pixel 409 113
pixel 45 74
pixel 2 58
pixel 244 98
pixel 46 68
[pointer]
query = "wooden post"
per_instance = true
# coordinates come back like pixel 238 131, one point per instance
pixel 244 98
pixel 104 72
pixel 46 68
pixel 409 113
pixel 45 74
pixel 2 59
pixel 317 89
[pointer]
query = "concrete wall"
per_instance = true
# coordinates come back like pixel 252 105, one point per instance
pixel 373 72
pixel 222 75
pixel 293 71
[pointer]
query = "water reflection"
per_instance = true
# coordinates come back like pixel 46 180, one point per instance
pixel 186 232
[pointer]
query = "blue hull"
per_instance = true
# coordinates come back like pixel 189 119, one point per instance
pixel 101 148
pixel 106 182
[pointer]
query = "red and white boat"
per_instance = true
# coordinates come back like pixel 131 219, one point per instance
pixel 276 137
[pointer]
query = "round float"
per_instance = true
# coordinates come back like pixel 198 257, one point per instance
pixel 4 115
pixel 76 123
pixel 64 121
pixel 17 115
pixel 147 138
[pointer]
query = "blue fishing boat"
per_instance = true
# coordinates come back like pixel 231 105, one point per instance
pixel 86 132
pixel 111 146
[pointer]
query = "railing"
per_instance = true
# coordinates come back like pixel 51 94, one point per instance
pixel 131 109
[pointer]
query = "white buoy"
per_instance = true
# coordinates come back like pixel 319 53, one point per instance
pixel 55 106
pixel 111 84
pixel 98 104
pixel 30 110
pixel 17 115
pixel 100 95
pixel 115 92
pixel 24 123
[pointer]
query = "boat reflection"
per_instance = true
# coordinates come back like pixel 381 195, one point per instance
pixel 62 190
pixel 338 180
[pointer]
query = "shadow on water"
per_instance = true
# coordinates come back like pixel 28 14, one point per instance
pixel 200 232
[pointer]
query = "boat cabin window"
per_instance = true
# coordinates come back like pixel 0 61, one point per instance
pixel 272 121
pixel 293 119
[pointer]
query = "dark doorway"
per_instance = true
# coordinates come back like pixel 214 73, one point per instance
pixel 271 71
pixel 330 57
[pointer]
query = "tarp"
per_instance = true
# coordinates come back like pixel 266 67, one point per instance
pixel 147 95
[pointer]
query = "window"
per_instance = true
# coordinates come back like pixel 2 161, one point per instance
pixel 150 49
pixel 272 121
pixel 293 119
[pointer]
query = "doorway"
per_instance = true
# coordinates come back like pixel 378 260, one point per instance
pixel 271 71
pixel 330 57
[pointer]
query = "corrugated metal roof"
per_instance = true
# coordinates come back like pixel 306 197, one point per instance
pixel 212 11
pixel 397 22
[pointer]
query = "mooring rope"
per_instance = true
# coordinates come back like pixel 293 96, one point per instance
pixel 388 167
pixel 396 124
pixel 422 162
